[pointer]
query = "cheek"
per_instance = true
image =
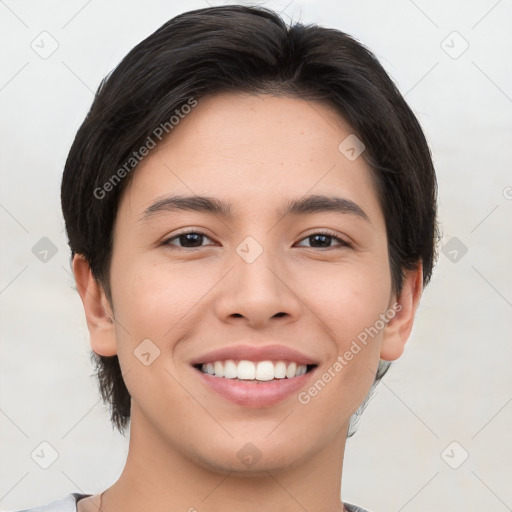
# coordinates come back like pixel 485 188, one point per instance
pixel 164 301
pixel 154 298
pixel 349 306
pixel 153 306
pixel 348 298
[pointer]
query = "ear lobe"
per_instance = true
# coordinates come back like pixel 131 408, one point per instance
pixel 398 329
pixel 98 312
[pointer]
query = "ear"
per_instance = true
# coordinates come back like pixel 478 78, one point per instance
pixel 397 330
pixel 98 312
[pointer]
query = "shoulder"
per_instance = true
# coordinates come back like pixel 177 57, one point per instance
pixel 65 504
pixel 354 508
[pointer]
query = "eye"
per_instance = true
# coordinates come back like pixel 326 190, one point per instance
pixel 324 237
pixel 188 239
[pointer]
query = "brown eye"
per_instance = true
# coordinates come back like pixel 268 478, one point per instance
pixel 187 240
pixel 322 240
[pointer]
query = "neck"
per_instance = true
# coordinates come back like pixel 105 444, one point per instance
pixel 158 476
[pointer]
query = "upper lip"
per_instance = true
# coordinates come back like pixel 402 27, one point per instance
pixel 253 353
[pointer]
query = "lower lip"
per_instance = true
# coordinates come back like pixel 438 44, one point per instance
pixel 253 394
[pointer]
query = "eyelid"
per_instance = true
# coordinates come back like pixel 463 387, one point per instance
pixel 327 232
pixel 186 231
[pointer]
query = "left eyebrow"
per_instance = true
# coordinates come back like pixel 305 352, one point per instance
pixel 308 205
pixel 318 203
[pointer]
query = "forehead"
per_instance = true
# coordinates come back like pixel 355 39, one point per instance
pixel 253 150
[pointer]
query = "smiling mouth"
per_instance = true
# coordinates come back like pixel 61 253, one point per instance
pixel 255 384
pixel 259 372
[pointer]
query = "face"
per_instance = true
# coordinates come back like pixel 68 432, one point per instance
pixel 186 282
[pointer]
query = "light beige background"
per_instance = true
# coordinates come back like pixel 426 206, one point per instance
pixel 453 384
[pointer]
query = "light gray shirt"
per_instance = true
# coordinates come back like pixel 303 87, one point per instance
pixel 68 504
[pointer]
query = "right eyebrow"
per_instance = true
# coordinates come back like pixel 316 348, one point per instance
pixel 187 203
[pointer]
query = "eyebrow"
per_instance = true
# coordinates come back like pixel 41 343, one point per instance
pixel 303 206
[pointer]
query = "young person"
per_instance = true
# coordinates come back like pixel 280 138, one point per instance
pixel 251 212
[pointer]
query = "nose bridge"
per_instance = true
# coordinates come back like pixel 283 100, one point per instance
pixel 257 266
pixel 258 288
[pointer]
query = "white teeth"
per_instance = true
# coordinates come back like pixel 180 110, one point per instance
pixel 230 369
pixel 265 370
pixel 280 370
pixel 219 371
pixel 291 371
pixel 247 370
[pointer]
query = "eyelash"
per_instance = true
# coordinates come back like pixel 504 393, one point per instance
pixel 343 243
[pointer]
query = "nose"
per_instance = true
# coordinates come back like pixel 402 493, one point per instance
pixel 256 292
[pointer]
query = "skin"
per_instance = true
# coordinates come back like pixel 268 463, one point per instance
pixel 256 152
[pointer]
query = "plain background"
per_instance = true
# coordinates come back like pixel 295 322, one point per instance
pixel 452 62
